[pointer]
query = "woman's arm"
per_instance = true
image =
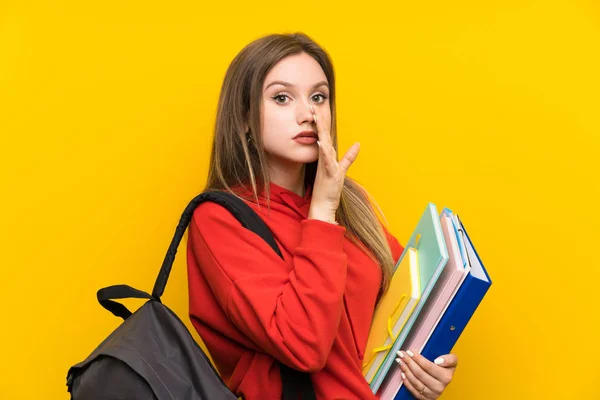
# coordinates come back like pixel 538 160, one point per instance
pixel 292 315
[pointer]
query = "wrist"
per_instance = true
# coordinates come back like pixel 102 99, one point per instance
pixel 328 220
pixel 326 217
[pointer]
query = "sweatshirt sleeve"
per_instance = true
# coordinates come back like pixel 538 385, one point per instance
pixel 292 315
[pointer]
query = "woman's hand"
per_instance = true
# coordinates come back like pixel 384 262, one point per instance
pixel 330 176
pixel 426 380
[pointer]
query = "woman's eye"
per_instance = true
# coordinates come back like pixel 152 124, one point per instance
pixel 322 96
pixel 280 98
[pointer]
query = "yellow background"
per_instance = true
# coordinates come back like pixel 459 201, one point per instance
pixel 489 108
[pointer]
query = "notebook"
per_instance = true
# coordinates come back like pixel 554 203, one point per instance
pixel 459 312
pixel 392 312
pixel 450 279
pixel 428 239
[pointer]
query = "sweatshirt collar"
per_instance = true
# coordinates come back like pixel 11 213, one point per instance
pixel 280 194
pixel 298 205
pixel 285 197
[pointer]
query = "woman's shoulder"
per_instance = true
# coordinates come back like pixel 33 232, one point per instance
pixel 210 212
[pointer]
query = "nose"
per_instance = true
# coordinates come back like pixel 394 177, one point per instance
pixel 304 114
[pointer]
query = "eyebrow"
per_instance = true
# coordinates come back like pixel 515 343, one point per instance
pixel 287 84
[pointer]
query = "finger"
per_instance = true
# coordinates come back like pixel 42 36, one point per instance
pixel 323 158
pixel 447 361
pixel 326 160
pixel 324 137
pixel 322 131
pixel 349 157
pixel 424 376
pixel 411 383
pixel 333 152
pixel 429 367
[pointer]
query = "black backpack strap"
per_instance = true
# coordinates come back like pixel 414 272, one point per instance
pixel 294 382
pixel 240 210
pixel 106 295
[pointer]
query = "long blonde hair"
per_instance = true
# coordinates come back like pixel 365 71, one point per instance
pixel 234 162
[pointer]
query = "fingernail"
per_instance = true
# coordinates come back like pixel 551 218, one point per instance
pixel 311 108
pixel 399 361
pixel 403 376
pixel 315 117
pixel 410 353
pixel 401 354
pixel 439 361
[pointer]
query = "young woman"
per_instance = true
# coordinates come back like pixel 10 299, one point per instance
pixel 275 146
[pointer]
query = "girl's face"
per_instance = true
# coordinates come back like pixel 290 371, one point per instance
pixel 290 87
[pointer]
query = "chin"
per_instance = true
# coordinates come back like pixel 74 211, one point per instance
pixel 299 157
pixel 307 157
pixel 303 160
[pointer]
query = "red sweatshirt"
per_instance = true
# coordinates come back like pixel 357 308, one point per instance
pixel 312 310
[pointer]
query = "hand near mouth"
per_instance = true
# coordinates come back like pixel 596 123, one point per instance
pixel 331 174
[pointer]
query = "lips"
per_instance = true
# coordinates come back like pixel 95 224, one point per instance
pixel 309 134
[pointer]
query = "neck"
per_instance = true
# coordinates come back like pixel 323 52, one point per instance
pixel 291 177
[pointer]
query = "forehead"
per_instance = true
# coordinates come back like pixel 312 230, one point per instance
pixel 299 69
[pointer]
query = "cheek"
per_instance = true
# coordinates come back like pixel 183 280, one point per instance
pixel 271 130
pixel 276 120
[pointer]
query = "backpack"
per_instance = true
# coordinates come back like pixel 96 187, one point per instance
pixel 152 354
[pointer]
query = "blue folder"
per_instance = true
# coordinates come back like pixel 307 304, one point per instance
pixel 459 311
